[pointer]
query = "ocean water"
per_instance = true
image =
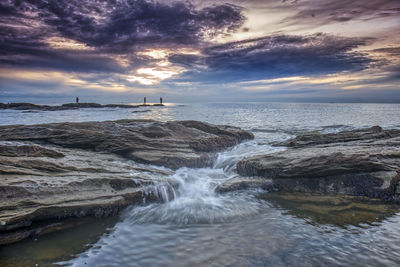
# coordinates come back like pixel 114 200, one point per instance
pixel 268 121
pixel 198 227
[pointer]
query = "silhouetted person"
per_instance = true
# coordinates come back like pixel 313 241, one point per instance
pixel 144 100
pixel 77 100
pixel 160 100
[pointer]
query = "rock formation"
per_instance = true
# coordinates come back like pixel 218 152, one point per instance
pixel 169 144
pixel 60 170
pixel 360 162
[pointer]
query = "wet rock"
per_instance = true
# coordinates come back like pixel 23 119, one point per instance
pixel 141 111
pixel 245 183
pixel 361 162
pixel 315 138
pixel 63 170
pixel 82 183
pixel 170 144
pixel 36 231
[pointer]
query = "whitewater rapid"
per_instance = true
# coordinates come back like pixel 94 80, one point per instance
pixel 195 199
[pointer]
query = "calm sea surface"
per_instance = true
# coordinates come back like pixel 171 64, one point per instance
pixel 250 228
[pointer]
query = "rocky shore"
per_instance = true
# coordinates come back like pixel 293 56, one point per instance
pixel 68 106
pixel 53 171
pixel 359 163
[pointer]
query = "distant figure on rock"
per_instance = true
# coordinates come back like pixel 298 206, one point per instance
pixel 160 100
pixel 77 100
pixel 144 101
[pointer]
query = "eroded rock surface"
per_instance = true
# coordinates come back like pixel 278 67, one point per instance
pixel 360 162
pixel 61 170
pixel 81 183
pixel 170 144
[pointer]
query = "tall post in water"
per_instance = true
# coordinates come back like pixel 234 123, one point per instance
pixel 144 100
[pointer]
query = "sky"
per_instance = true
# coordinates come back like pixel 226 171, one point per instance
pixel 120 51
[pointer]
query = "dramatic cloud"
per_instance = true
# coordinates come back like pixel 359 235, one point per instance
pixel 28 29
pixel 276 56
pixel 119 25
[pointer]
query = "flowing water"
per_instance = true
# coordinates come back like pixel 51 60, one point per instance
pixel 196 226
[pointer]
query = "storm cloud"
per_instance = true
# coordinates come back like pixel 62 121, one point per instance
pixel 105 28
pixel 276 56
pixel 119 25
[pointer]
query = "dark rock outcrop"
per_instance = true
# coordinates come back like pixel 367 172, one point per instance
pixel 30 106
pixel 360 162
pixel 245 183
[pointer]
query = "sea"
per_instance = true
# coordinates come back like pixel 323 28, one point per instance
pixel 199 227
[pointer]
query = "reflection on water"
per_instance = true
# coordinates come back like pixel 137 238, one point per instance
pixel 271 237
pixel 163 113
pixel 287 230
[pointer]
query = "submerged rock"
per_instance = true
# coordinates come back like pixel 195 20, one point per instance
pixel 342 211
pixel 360 162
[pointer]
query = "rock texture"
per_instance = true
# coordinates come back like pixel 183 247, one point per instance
pixel 81 183
pixel 61 170
pixel 245 183
pixel 30 106
pixel 360 162
pixel 169 144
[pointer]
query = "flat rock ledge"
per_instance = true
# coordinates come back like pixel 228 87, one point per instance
pixel 170 144
pixel 51 172
pixel 362 162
